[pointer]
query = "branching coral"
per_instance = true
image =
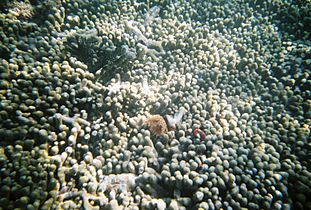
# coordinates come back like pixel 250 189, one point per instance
pixel 23 10
pixel 146 46
pixel 86 198
pixel 117 183
pixel 151 14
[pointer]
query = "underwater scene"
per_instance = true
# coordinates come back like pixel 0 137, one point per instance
pixel 155 104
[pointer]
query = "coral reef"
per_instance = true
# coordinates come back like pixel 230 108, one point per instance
pixel 22 10
pixel 155 104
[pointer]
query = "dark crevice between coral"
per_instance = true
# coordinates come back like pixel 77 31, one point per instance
pixel 5 52
pixel 104 58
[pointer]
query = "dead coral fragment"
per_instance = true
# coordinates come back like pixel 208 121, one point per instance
pixel 157 125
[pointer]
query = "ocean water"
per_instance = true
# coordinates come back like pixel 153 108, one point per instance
pixel 155 104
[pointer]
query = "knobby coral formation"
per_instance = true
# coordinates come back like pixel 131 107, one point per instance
pixel 78 78
pixel 22 10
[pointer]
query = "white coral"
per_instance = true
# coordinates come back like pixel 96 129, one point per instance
pixel 176 120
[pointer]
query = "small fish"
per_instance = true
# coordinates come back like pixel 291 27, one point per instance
pixel 198 133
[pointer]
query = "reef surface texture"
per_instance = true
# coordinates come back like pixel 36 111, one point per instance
pixel 79 79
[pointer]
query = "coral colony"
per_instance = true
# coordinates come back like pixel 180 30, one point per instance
pixel 155 105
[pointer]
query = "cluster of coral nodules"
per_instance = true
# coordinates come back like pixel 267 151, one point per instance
pixel 74 90
pixel 159 126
